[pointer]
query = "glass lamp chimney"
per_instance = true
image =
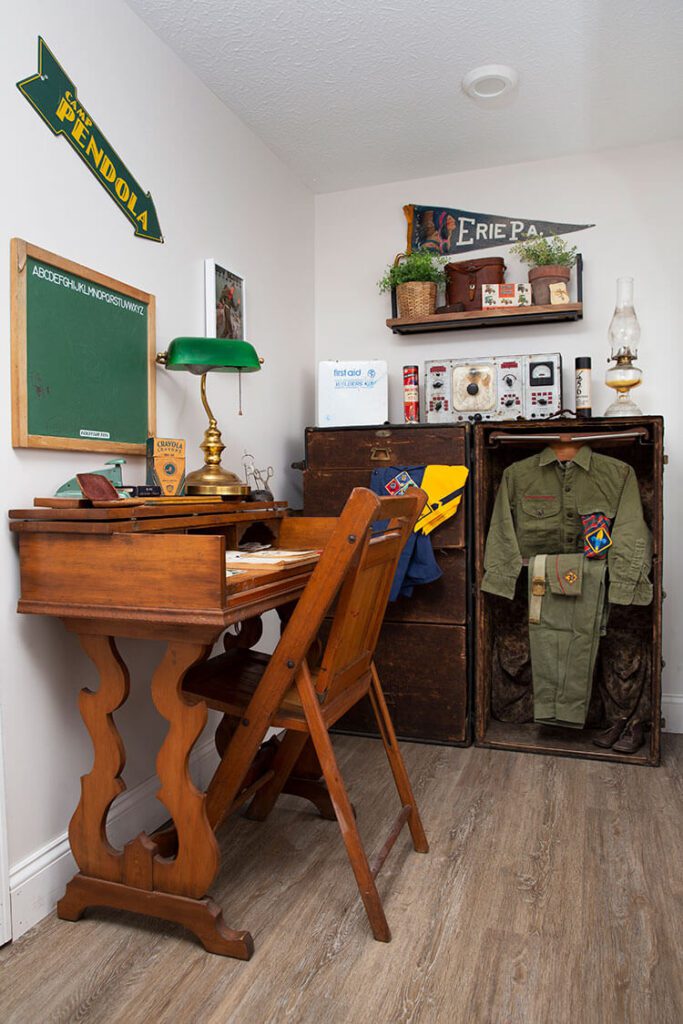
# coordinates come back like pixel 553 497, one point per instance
pixel 624 330
pixel 624 337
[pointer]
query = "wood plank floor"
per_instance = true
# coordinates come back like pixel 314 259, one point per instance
pixel 553 893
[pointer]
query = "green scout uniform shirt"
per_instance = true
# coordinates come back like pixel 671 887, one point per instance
pixel 538 509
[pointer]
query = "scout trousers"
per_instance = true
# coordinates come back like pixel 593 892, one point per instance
pixel 565 624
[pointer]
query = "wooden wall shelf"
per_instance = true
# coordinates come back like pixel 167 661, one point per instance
pixel 510 317
pixel 487 318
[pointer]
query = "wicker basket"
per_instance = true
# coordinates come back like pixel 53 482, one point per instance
pixel 416 299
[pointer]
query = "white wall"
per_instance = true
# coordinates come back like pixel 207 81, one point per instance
pixel 633 198
pixel 220 193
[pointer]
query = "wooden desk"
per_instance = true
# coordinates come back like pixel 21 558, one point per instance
pixel 158 573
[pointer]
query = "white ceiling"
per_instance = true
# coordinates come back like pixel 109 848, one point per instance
pixel 360 92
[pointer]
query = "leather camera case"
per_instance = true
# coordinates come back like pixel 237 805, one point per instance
pixel 465 278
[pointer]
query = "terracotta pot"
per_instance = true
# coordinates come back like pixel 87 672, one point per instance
pixel 540 279
pixel 416 299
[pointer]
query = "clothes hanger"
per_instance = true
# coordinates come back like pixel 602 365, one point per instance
pixel 566 448
pixel 575 438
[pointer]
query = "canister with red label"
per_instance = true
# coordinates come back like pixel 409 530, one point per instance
pixel 411 394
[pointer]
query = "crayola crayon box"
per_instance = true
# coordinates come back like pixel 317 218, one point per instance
pixel 166 464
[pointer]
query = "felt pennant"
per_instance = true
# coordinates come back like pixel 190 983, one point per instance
pixel 453 232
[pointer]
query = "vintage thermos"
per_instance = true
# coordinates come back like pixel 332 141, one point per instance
pixel 411 395
pixel 584 402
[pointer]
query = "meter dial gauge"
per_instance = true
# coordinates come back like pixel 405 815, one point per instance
pixel 541 373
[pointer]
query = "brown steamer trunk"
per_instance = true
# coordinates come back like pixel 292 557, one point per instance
pixel 495 617
pixel 422 655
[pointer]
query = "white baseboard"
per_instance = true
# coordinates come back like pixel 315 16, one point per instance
pixel 38 881
pixel 5 915
pixel 672 711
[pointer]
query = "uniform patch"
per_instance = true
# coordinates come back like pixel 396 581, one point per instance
pixel 597 537
pixel 399 484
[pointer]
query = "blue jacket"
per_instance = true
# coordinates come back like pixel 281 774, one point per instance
pixel 417 563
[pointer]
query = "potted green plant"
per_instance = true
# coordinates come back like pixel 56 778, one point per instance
pixel 415 276
pixel 550 260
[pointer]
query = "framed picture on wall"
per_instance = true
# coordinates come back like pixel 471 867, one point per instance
pixel 225 291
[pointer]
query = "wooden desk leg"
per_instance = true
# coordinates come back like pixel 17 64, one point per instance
pixel 247 635
pixel 307 782
pixel 87 829
pixel 194 867
pixel 137 878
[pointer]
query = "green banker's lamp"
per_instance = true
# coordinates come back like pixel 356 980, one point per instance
pixel 199 356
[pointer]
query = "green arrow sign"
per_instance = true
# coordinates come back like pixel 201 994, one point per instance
pixel 52 93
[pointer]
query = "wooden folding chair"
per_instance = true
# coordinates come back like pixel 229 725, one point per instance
pixel 356 568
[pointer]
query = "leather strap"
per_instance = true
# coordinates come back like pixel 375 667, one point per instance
pixel 474 266
pixel 538 587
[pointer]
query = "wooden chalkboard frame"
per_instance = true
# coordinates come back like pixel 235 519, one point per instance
pixel 20 251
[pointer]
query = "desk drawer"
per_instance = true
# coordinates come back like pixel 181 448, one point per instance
pixel 326 490
pixel 423 673
pixel 385 446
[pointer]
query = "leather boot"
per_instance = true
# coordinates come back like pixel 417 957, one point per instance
pixel 609 736
pixel 631 740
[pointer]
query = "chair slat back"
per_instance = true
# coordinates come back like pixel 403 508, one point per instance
pixel 364 594
pixel 356 566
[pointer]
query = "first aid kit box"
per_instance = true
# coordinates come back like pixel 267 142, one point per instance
pixel 352 393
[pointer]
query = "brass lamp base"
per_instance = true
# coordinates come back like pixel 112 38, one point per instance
pixel 212 478
pixel 216 480
pixel 623 377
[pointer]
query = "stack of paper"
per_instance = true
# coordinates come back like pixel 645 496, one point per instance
pixel 269 558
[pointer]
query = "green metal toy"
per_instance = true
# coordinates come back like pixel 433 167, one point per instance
pixel 112 471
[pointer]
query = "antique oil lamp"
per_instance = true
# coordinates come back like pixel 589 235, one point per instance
pixel 624 335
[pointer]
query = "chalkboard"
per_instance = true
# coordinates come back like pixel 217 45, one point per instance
pixel 83 347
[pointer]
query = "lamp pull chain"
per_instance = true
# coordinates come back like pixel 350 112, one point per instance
pixel 239 376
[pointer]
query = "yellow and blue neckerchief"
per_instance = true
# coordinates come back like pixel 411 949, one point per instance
pixel 444 486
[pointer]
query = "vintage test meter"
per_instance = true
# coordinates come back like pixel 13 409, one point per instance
pixel 493 388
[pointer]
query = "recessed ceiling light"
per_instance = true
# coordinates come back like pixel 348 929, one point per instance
pixel 489 81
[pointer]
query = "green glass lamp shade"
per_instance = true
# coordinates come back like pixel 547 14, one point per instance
pixel 200 355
